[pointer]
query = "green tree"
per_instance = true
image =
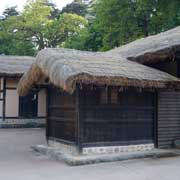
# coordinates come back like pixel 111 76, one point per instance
pixel 55 11
pixel 123 21
pixel 62 30
pixel 45 31
pixel 11 11
pixel 13 42
pixel 37 27
pixel 76 7
pixel 116 22
pixel 36 17
pixel 89 39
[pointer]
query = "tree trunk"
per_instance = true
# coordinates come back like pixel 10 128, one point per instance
pixel 41 42
pixel 145 28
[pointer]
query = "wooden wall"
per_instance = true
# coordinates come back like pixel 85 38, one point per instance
pixel 61 115
pixel 119 118
pixel 168 118
pixel 101 117
pixel 103 120
pixel 170 67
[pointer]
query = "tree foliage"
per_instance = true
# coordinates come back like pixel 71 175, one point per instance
pixel 39 26
pixel 95 26
pixel 123 21
pixel 11 11
pixel 62 30
pixel 76 7
pixel 12 41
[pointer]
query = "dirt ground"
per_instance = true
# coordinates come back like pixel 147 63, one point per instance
pixel 19 162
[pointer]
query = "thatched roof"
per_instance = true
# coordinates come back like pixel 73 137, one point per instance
pixel 65 68
pixel 151 49
pixel 14 65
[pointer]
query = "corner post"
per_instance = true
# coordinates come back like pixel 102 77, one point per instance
pixel 79 121
pixel 156 118
pixel 47 114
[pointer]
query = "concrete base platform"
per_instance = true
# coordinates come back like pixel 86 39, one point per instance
pixel 76 160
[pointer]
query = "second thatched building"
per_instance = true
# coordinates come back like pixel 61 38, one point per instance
pixel 15 111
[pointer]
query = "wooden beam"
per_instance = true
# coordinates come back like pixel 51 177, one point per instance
pixel 4 99
pixel 11 88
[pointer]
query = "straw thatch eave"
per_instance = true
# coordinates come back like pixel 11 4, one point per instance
pixel 152 49
pixel 66 68
pixel 14 66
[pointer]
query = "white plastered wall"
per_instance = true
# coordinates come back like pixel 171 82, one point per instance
pixel 12 98
pixel 12 103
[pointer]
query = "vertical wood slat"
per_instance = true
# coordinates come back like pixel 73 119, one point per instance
pixel 130 119
pixel 168 118
pixel 156 119
pixel 61 115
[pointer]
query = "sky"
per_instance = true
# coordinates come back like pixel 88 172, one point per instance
pixel 20 3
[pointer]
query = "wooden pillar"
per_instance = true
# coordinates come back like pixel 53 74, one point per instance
pixel 1 97
pixel 79 121
pixel 47 114
pixel 156 119
pixel 4 99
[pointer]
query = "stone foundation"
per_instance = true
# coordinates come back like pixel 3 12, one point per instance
pixel 72 149
pixel 117 149
pixel 22 123
pixel 62 147
pixel 76 160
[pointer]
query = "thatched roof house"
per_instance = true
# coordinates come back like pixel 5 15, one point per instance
pixel 16 111
pixel 15 65
pixel 99 102
pixel 65 68
pixel 151 49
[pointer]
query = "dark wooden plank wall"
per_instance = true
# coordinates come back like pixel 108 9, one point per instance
pixel 61 115
pixel 167 66
pixel 129 120
pixel 168 118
